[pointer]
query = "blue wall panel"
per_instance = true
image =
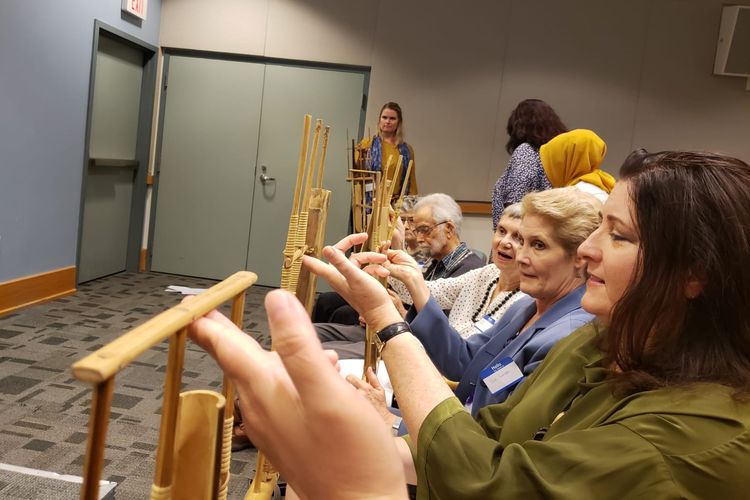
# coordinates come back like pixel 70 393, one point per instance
pixel 45 65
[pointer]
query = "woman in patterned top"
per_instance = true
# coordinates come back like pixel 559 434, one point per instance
pixel 530 125
pixel 483 294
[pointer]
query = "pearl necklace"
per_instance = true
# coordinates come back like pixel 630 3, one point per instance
pixel 475 316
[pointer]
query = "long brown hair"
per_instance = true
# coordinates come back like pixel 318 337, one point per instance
pixel 692 211
pixel 533 121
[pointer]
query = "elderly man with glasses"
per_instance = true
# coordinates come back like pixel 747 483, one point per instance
pixel 437 225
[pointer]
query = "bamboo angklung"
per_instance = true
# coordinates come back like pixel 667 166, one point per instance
pixel 305 237
pixel 101 367
pixel 317 214
pixel 380 229
pixel 363 179
pixel 400 202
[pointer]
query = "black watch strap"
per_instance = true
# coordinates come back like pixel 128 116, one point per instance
pixel 391 331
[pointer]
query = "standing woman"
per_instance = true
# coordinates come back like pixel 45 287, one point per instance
pixel 530 125
pixel 388 142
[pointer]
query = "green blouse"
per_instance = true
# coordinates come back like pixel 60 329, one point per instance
pixel 690 442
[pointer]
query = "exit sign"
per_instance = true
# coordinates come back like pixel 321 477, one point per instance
pixel 135 7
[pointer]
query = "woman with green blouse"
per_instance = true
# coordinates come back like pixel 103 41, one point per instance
pixel 651 400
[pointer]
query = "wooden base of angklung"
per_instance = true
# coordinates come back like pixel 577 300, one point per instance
pixel 192 459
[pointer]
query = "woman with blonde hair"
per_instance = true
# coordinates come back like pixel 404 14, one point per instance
pixel 389 142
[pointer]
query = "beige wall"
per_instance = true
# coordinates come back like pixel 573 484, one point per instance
pixel 636 72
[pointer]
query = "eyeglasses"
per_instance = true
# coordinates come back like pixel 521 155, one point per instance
pixel 425 230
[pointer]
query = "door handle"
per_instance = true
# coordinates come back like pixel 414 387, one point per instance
pixel 265 179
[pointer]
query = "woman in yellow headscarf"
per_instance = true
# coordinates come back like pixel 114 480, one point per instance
pixel 573 159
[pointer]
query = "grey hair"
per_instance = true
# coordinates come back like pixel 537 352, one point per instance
pixel 513 211
pixel 444 208
pixel 408 203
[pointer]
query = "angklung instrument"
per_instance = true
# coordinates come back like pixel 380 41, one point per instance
pixel 193 456
pixel 306 235
pixel 380 227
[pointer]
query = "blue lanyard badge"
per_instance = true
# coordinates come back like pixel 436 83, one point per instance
pixel 501 375
pixel 484 324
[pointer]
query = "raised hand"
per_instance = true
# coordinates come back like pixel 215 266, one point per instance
pixel 363 292
pixel 319 433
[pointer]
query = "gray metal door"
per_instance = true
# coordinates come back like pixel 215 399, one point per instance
pixel 206 173
pixel 291 92
pixel 112 149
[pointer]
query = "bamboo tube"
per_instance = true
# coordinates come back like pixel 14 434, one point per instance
pixel 290 265
pixel 198 445
pixel 110 359
pixel 371 352
pixel 315 237
pixel 320 171
pixel 354 156
pixel 301 163
pixel 392 179
pixel 101 403
pixel 172 386
pixel 237 314
pixel 310 170
pixel 265 480
pixel 399 203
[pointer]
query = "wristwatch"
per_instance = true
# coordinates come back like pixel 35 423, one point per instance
pixel 389 332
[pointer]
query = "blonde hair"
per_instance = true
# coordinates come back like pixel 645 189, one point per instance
pixel 574 215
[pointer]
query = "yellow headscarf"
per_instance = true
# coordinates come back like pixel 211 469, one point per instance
pixel 575 156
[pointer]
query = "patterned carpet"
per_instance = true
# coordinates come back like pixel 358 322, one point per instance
pixel 44 410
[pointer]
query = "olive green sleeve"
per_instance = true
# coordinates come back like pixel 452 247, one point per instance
pixel 456 459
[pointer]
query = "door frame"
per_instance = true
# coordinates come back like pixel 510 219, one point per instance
pixel 170 51
pixel 143 139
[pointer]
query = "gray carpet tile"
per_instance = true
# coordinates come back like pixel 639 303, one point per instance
pixel 44 411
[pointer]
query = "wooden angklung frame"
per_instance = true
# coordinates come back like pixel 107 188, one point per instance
pixel 192 459
pixel 306 234
pixel 380 228
pixel 362 179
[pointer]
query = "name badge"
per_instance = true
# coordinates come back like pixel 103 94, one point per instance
pixel 501 375
pixel 484 324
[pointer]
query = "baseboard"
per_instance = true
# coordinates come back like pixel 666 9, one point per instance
pixel 29 290
pixel 142 257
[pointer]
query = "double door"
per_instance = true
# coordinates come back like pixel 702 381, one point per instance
pixel 225 124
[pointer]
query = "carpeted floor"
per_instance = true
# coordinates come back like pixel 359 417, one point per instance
pixel 44 410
